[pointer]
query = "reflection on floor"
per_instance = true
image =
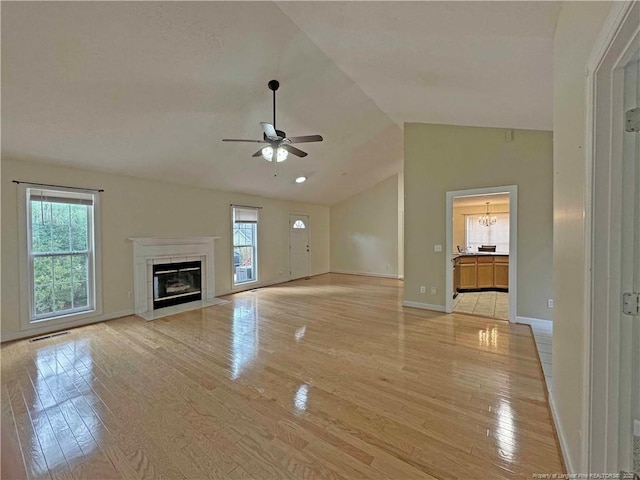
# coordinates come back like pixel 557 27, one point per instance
pixel 328 377
pixel 487 304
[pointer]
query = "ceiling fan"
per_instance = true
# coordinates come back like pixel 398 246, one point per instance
pixel 279 145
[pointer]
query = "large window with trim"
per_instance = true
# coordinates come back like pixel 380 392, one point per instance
pixel 61 252
pixel 245 245
pixel 496 234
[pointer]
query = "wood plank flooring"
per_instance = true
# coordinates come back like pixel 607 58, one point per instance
pixel 322 378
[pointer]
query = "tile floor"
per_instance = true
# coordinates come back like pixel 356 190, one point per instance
pixel 488 304
pixel 183 307
pixel 543 336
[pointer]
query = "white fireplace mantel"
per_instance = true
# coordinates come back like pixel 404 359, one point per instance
pixel 149 251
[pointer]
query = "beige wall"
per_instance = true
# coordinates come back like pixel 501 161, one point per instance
pixel 459 230
pixel 137 207
pixel 364 231
pixel 441 158
pixel 576 30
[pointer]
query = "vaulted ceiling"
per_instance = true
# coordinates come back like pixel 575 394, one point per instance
pixel 150 88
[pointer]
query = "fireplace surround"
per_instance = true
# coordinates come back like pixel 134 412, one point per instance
pixel 170 252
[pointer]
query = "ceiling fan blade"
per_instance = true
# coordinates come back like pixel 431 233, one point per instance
pixel 257 154
pixel 269 131
pixel 296 151
pixel 306 139
pixel 242 140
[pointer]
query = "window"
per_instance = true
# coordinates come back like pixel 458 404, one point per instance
pixel 496 234
pixel 245 245
pixel 61 253
pixel 299 224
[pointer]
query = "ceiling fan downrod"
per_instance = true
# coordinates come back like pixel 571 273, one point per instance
pixel 273 86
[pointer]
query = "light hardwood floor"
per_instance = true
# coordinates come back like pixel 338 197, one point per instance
pixel 329 377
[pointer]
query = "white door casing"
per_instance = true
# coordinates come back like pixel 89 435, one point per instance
pixel 299 254
pixel 613 257
pixel 630 282
pixel 512 190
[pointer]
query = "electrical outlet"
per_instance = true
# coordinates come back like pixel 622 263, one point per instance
pixel 550 303
pixel 437 248
pixel 130 293
pixel 433 290
pixel 423 289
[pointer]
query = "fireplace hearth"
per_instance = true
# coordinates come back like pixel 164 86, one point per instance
pixel 176 283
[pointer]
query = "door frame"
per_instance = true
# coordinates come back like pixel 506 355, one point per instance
pixel 290 226
pixel 603 256
pixel 512 190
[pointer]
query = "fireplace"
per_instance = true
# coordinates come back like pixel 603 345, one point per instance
pixel 176 283
pixel 158 254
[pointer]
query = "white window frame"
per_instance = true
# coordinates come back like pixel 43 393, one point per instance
pixel 28 318
pixel 239 285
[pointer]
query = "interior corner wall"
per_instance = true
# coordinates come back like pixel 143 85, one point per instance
pixel 364 231
pixel 442 158
pixel 401 224
pixel 576 30
pixel 133 207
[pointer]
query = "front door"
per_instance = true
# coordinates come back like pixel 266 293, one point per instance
pixel 299 245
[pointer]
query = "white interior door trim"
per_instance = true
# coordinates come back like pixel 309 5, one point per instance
pixel 602 238
pixel 512 190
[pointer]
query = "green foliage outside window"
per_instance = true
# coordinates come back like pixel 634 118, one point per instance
pixel 60 252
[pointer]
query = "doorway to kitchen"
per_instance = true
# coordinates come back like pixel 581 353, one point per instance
pixel 481 252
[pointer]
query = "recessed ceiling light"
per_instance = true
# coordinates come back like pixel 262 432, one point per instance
pixel 301 179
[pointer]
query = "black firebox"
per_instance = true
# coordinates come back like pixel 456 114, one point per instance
pixel 176 283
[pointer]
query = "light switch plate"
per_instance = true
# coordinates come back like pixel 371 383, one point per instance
pixel 437 248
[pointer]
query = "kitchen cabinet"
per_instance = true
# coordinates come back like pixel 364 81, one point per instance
pixel 501 272
pixel 468 267
pixel 485 272
pixel 480 272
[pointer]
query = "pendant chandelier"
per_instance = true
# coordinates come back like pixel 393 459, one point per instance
pixel 487 220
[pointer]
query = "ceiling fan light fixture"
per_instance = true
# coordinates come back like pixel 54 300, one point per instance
pixel 277 139
pixel 281 155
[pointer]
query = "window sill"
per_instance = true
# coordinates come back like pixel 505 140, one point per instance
pixel 243 284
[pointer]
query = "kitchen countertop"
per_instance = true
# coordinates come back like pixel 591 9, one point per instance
pixel 479 254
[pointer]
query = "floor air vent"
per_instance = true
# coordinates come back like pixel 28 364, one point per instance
pixel 44 337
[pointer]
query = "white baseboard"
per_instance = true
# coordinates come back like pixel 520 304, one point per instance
pixel 54 327
pixel 368 274
pixel 423 306
pixel 561 437
pixel 252 286
pixel 536 322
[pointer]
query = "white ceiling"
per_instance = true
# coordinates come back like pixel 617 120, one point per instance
pixel 150 88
